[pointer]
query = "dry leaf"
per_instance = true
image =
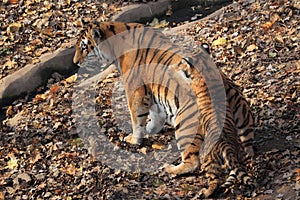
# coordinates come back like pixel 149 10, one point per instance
pixel 251 47
pixel 42 185
pixel 71 79
pixel 54 89
pixel 36 158
pixel 36 42
pixel 157 146
pixel 29 48
pixel 270 98
pixel 266 26
pixel 275 17
pixel 49 31
pixel 2 196
pixel 40 97
pixel 272 54
pixel 9 111
pixel 72 170
pixel 13 1
pixel 143 150
pixel 12 28
pixel 13 162
pixel 39 52
pixel 279 39
pixel 159 24
pixel 239 51
pixel 35 60
pixel 10 64
pixel 219 42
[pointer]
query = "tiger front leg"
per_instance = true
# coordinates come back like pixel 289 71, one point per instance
pixel 189 141
pixel 139 110
pixel 186 166
pixel 207 192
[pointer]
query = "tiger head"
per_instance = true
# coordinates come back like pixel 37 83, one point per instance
pixel 106 40
pixel 89 41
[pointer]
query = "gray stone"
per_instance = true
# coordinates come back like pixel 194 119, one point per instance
pixel 30 77
pixel 138 12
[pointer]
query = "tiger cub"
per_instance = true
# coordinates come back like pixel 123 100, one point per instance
pixel 242 114
pixel 164 83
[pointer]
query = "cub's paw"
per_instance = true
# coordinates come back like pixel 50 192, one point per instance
pixel 132 140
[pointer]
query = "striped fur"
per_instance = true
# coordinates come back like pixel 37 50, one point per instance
pixel 243 117
pixel 164 84
pixel 229 153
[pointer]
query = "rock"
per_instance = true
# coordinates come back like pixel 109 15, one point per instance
pixel 30 77
pixel 138 12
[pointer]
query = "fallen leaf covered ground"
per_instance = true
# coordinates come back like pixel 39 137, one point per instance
pixel 256 43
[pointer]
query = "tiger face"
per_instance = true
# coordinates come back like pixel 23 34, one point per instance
pixel 84 45
pixel 91 43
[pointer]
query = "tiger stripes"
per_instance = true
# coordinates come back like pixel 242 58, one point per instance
pixel 163 84
pixel 240 108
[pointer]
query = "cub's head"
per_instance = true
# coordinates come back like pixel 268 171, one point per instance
pixel 89 40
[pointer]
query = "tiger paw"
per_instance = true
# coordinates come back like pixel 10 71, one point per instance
pixel 204 193
pixel 170 169
pixel 133 140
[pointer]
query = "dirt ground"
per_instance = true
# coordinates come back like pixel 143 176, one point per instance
pixel 44 152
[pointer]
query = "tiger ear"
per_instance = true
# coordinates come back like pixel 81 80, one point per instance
pixel 97 33
pixel 84 22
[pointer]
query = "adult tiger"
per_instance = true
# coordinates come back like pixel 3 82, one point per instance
pixel 168 85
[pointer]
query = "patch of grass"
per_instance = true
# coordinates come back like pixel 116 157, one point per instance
pixel 4 51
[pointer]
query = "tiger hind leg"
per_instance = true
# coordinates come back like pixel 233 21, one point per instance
pixel 213 181
pixel 244 122
pixel 246 136
pixel 139 111
pixel 213 166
